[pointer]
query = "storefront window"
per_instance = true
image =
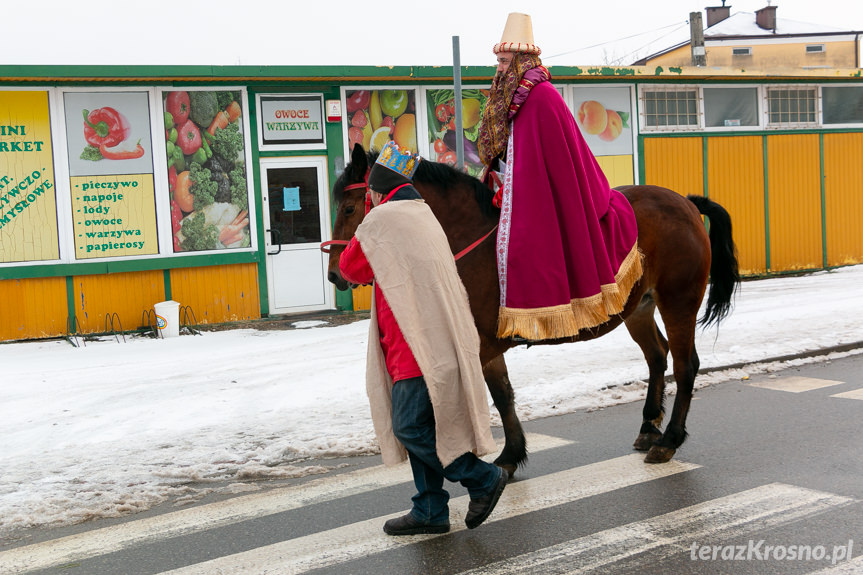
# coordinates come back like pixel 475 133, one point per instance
pixel 842 104
pixel 28 195
pixel 111 174
pixel 729 107
pixel 442 138
pixel 205 151
pixel 376 116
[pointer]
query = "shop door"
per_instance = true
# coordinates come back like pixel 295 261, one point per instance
pixel 296 220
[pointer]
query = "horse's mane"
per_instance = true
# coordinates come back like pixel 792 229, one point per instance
pixel 446 179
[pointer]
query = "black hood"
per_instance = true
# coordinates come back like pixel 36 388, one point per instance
pixel 384 180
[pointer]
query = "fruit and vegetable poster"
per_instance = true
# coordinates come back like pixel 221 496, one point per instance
pixel 205 148
pixel 28 202
pixel 441 122
pixel 604 116
pixel 291 120
pixel 376 116
pixel 111 174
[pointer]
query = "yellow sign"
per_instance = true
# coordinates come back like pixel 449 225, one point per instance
pixel 114 216
pixel 28 203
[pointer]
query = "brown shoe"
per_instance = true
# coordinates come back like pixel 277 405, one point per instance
pixel 407 525
pixel 479 509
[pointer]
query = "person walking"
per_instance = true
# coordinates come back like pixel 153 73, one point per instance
pixel 423 374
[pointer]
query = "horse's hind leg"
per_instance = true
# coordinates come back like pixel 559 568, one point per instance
pixel 515 449
pixel 681 338
pixel 654 346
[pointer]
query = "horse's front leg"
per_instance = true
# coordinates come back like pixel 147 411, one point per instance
pixel 514 451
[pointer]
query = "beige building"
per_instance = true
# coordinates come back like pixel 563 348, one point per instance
pixel 765 42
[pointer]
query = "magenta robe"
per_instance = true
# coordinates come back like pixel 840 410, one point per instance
pixel 567 243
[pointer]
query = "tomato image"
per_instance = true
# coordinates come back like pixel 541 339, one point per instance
pixel 439 146
pixel 448 158
pixel 441 113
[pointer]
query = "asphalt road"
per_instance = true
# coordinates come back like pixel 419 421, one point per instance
pixel 770 481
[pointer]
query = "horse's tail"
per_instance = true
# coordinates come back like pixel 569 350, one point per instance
pixel 724 274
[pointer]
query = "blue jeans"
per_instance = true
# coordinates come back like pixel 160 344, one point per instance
pixel 414 427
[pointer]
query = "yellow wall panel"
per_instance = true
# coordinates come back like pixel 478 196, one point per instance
pixel 362 297
pixel 33 308
pixel 617 169
pixel 218 294
pixel 735 175
pixel 794 176
pixel 129 295
pixel 843 194
pixel 675 163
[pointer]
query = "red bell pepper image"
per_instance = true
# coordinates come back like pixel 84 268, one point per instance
pixel 105 127
pixel 115 154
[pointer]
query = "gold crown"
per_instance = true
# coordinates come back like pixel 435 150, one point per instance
pixel 399 160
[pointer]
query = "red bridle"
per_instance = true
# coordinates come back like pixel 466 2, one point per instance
pixel 325 246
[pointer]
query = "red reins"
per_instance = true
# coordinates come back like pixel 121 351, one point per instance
pixel 325 246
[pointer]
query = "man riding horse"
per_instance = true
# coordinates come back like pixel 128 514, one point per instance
pixel 567 250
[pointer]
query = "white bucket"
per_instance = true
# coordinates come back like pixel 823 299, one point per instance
pixel 168 318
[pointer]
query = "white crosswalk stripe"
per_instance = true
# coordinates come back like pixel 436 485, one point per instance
pixel 853 394
pixel 358 540
pixel 737 515
pixel 210 516
pixel 796 384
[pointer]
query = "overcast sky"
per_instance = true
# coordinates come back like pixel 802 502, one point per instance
pixel 337 32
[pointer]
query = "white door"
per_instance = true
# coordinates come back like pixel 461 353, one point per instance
pixel 296 220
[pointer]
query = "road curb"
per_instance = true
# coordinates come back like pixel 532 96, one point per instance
pixel 810 353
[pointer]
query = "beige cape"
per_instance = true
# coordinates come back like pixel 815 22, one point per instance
pixel 415 269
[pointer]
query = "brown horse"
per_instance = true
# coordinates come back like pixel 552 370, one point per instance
pixel 679 254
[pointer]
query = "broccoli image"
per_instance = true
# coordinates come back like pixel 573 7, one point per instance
pixel 227 143
pixel 203 186
pixel 198 234
pixel 224 99
pixel 203 107
pixel 91 153
pixel 239 194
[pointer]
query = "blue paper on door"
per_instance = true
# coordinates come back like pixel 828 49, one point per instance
pixel 292 199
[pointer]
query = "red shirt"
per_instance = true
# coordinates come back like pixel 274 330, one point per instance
pixel 400 360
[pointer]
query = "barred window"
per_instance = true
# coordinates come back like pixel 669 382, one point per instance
pixel 671 108
pixel 792 107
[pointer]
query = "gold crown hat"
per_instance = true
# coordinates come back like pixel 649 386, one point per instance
pixel 400 160
pixel 517 35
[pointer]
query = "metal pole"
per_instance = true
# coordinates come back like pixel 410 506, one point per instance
pixel 456 78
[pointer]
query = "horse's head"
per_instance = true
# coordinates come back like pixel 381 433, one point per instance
pixel 349 192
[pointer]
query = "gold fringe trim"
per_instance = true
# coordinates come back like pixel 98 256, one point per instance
pixel 567 319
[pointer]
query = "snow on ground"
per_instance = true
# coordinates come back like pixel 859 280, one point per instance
pixel 114 428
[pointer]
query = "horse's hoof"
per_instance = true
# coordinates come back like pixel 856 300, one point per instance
pixel 645 441
pixel 659 454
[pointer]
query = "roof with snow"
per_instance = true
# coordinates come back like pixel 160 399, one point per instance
pixel 742 25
